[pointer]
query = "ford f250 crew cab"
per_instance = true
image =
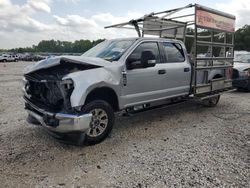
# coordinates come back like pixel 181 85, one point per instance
pixel 82 93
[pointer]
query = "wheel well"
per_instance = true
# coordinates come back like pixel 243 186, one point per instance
pixel 217 76
pixel 106 94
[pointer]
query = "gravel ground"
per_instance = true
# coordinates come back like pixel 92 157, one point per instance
pixel 186 145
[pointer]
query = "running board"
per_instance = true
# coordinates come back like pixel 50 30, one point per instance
pixel 131 113
pixel 190 97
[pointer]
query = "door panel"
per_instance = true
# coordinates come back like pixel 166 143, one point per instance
pixel 178 68
pixel 144 84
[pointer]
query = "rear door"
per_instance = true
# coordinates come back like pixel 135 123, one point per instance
pixel 178 69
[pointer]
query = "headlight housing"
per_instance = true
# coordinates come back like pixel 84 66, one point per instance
pixel 68 84
pixel 67 87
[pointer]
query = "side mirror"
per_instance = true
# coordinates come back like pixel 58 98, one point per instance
pixel 133 63
pixel 148 59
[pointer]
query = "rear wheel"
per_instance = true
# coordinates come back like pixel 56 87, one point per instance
pixel 102 121
pixel 211 102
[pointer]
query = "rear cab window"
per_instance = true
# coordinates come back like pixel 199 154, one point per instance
pixel 173 52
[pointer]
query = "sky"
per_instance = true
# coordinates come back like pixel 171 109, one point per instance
pixel 26 22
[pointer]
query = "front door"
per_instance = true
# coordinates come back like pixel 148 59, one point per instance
pixel 145 84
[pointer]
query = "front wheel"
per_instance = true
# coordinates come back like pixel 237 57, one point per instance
pixel 102 121
pixel 211 102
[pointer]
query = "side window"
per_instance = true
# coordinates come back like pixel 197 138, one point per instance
pixel 146 46
pixel 173 52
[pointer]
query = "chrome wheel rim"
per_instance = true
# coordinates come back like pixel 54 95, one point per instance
pixel 99 122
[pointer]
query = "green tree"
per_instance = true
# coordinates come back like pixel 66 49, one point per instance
pixel 242 38
pixel 81 46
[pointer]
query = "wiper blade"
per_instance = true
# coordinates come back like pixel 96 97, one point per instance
pixel 108 59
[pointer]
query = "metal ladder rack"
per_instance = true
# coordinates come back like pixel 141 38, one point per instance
pixel 213 31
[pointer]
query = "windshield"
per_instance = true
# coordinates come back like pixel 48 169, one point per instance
pixel 244 58
pixel 109 50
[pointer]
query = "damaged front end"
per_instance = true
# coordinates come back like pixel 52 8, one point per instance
pixel 47 97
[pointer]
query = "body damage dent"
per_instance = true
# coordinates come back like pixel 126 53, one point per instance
pixel 54 61
pixel 88 80
pixel 47 80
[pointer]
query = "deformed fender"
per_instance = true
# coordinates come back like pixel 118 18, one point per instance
pixel 88 80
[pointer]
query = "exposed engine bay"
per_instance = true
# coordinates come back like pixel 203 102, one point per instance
pixel 47 89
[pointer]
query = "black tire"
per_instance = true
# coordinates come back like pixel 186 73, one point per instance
pixel 211 102
pixel 105 107
pixel 239 89
pixel 248 89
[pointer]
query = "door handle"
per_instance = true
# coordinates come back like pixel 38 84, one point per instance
pixel 186 69
pixel 163 71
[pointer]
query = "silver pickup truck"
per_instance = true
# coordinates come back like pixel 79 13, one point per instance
pixel 82 93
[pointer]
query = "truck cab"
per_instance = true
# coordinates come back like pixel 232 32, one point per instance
pixel 152 69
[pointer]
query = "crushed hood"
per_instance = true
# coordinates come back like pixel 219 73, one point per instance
pixel 241 66
pixel 51 62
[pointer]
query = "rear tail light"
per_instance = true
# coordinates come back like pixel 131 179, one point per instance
pixel 229 73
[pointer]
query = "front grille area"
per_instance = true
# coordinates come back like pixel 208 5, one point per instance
pixel 235 74
pixel 48 119
pixel 45 93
